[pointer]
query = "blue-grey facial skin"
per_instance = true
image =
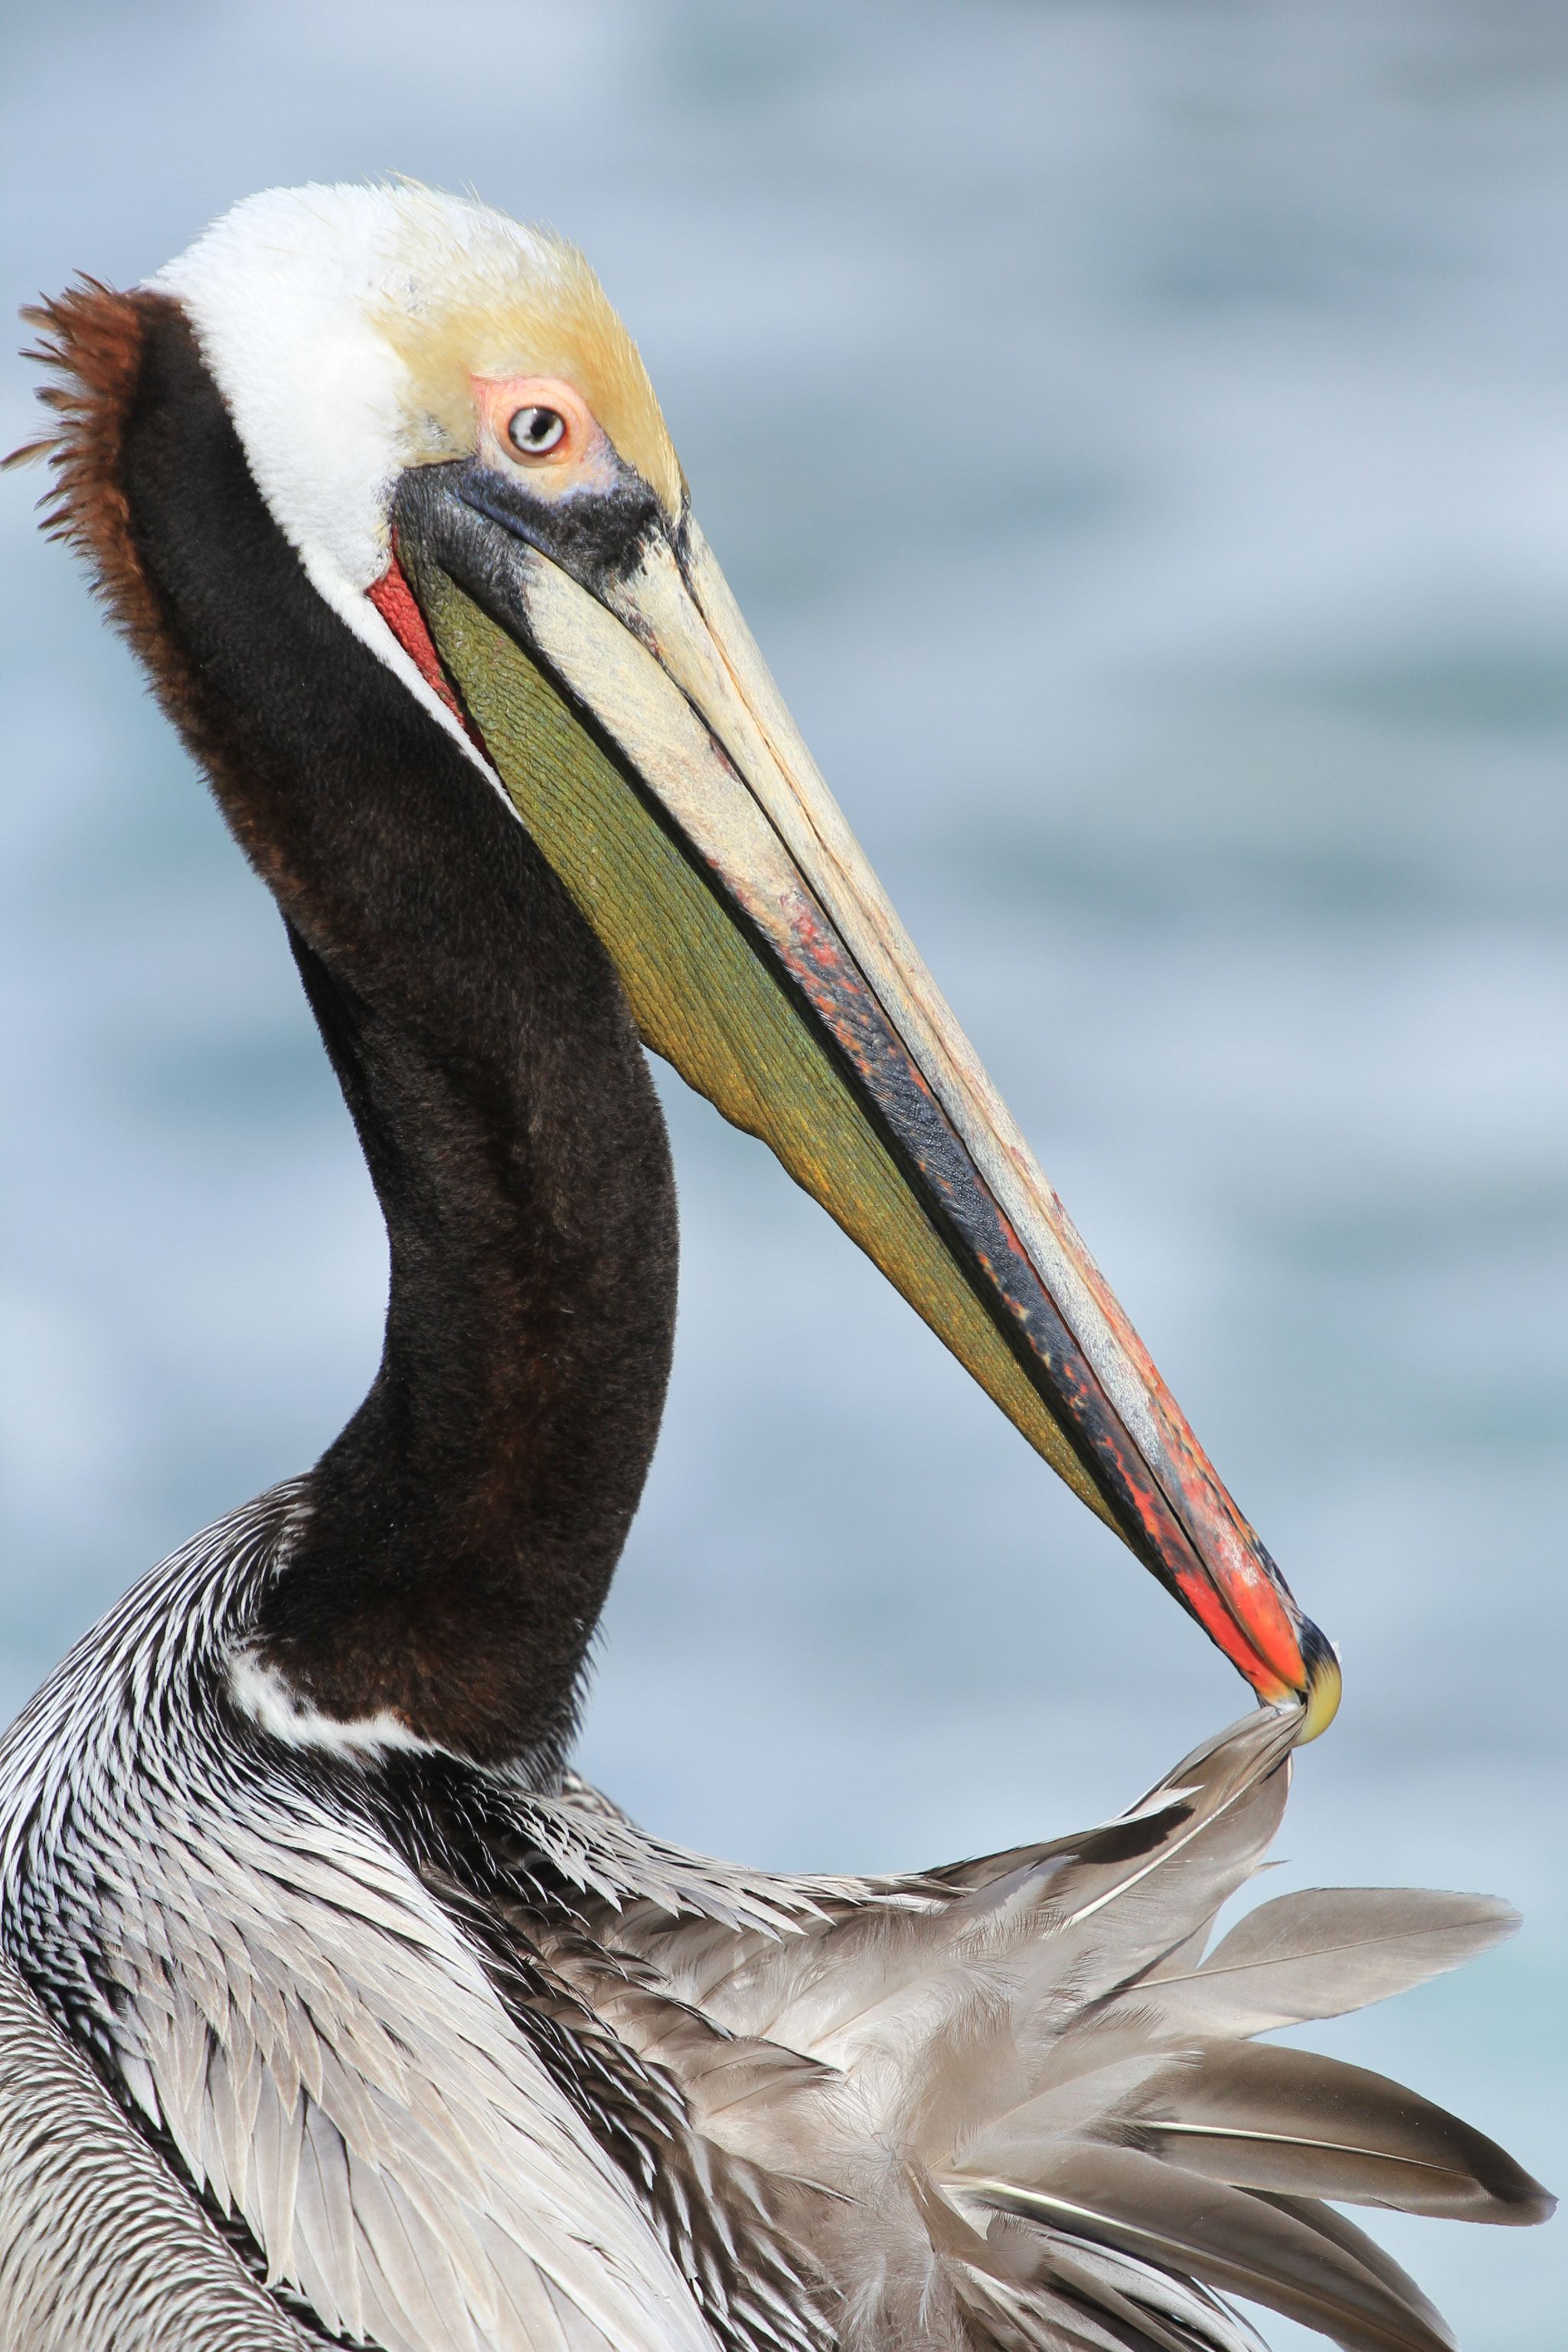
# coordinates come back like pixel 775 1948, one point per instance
pixel 1124 431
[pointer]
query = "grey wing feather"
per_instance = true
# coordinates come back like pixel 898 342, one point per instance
pixel 1328 1951
pixel 1292 2122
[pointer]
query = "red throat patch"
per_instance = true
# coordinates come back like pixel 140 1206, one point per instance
pixel 394 600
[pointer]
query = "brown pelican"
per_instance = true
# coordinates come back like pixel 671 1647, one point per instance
pixel 335 2007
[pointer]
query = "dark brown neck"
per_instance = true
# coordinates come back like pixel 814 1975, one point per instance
pixel 464 1528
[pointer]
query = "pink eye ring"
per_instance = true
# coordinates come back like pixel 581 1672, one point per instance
pixel 534 432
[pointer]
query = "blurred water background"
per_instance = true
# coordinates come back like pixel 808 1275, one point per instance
pixel 1136 435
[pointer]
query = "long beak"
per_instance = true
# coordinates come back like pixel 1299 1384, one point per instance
pixel 644 744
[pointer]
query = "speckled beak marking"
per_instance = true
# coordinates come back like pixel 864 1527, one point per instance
pixel 620 695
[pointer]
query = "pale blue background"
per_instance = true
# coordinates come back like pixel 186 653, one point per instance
pixel 1137 436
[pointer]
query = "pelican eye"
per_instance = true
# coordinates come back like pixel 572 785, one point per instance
pixel 535 431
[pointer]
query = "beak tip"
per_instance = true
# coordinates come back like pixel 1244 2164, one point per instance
pixel 1325 1683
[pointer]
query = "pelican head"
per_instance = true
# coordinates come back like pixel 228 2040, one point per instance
pixel 455 432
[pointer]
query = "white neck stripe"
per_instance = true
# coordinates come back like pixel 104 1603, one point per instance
pixel 262 1694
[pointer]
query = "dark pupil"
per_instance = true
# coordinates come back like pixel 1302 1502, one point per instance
pixel 534 429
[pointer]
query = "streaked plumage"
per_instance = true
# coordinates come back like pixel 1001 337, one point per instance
pixel 477 2065
pixel 396 2033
